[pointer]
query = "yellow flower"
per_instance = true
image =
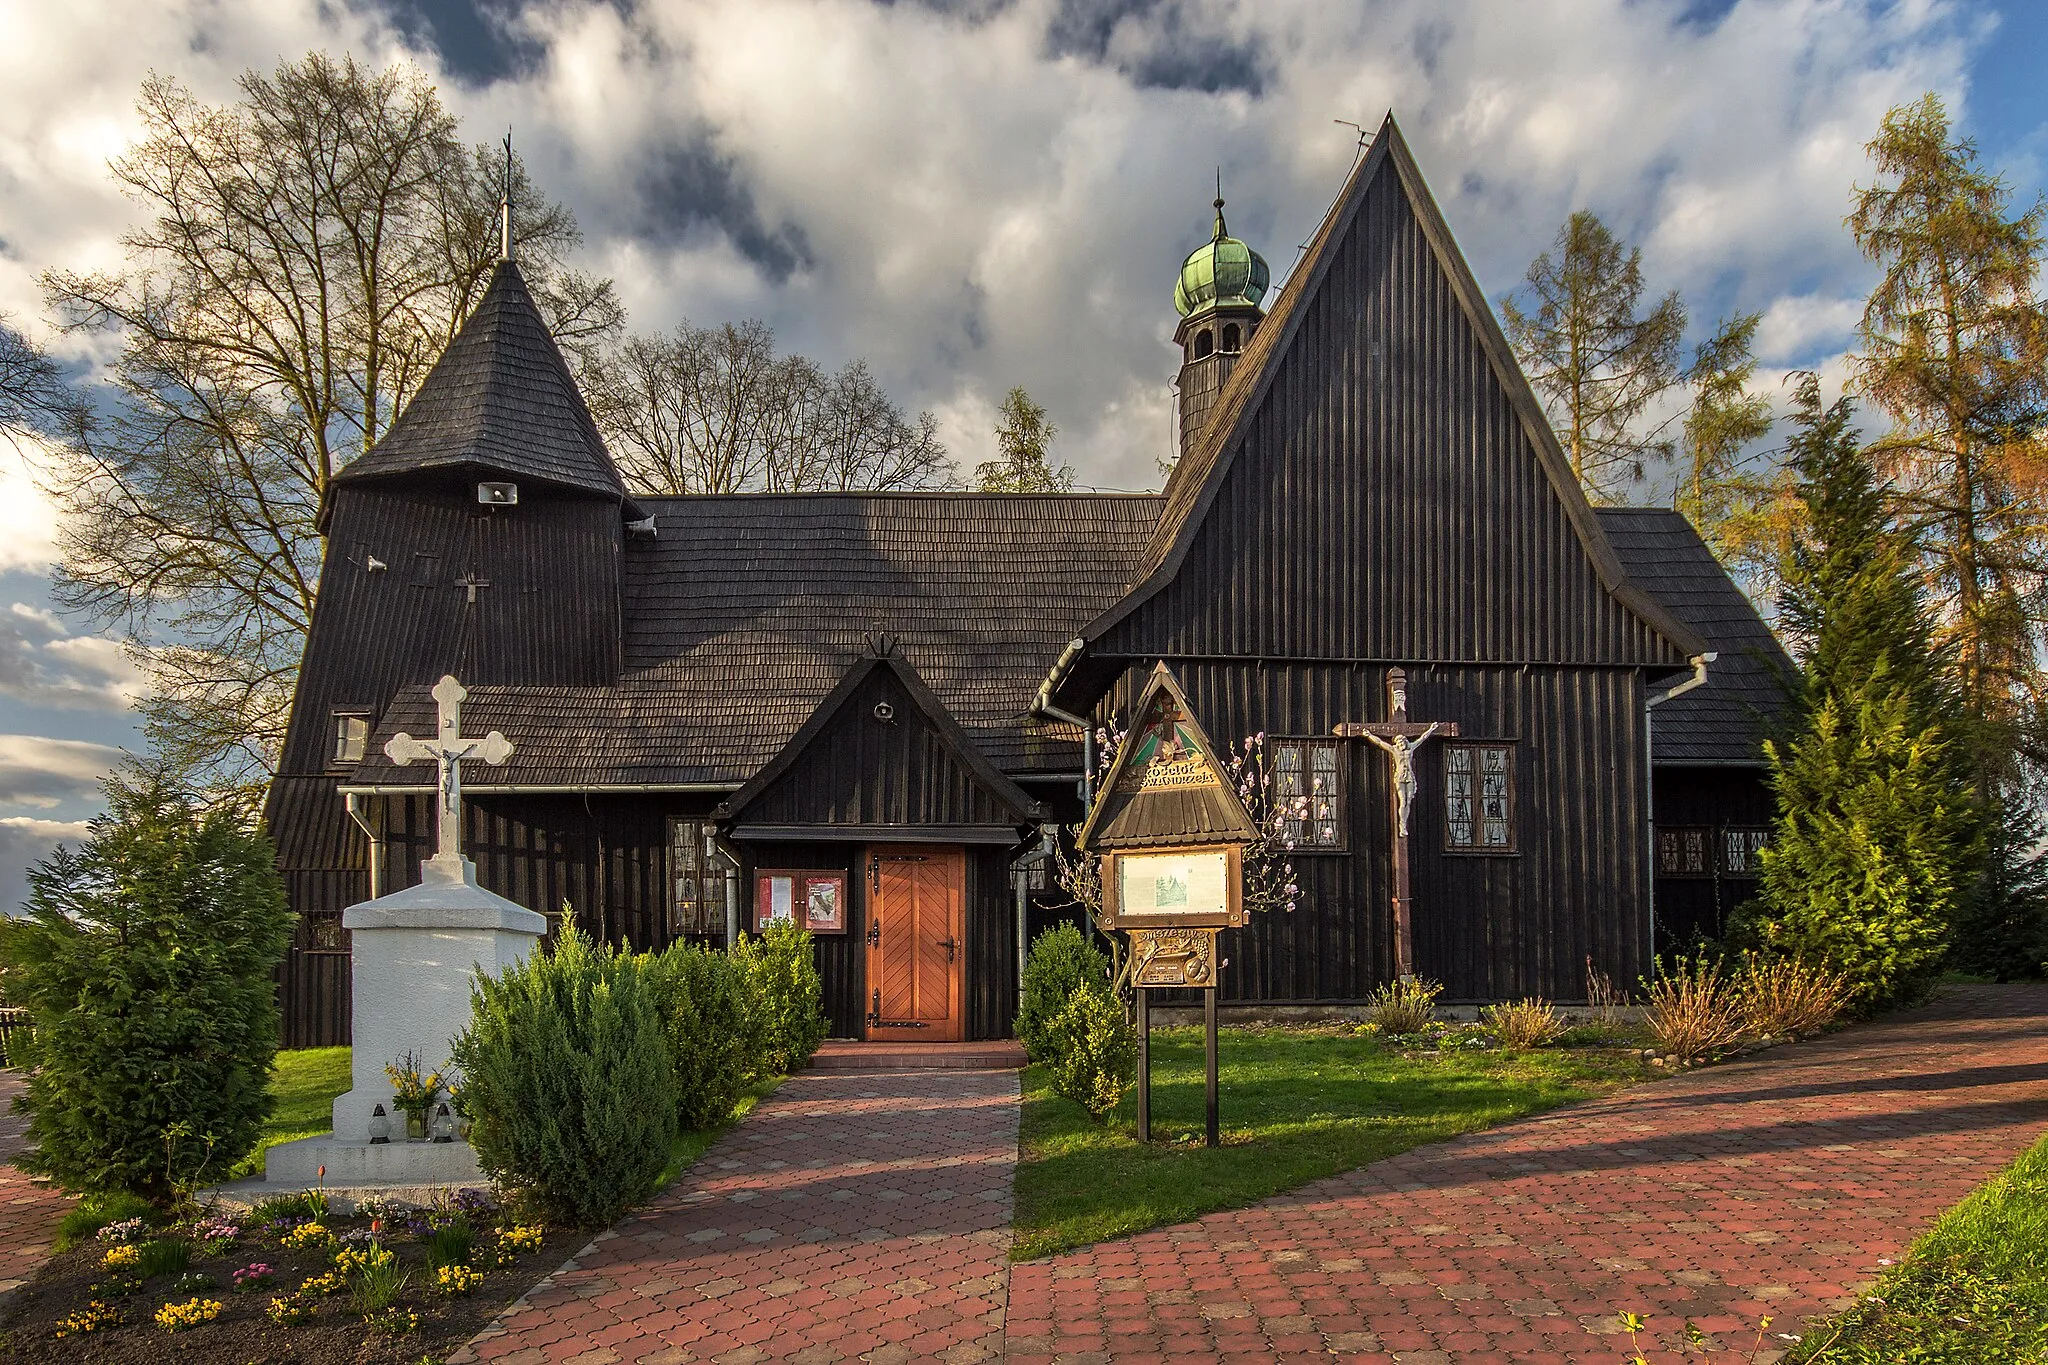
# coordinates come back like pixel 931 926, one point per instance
pixel 92 1318
pixel 457 1279
pixel 521 1238
pixel 306 1235
pixel 322 1284
pixel 176 1317
pixel 120 1258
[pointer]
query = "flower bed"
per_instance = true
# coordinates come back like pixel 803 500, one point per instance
pixel 288 1282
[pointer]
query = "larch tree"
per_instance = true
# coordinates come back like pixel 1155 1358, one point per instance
pixel 1594 355
pixel 305 254
pixel 1725 418
pixel 1955 354
pixel 719 410
pixel 1873 848
pixel 1024 439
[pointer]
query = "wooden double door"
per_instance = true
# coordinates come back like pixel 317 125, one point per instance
pixel 916 944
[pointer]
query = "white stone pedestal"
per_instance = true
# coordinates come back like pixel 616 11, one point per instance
pixel 414 954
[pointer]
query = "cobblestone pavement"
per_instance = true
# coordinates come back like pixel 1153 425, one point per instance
pixel 1777 1185
pixel 28 1211
pixel 852 1216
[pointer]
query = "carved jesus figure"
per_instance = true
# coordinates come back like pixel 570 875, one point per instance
pixel 1402 750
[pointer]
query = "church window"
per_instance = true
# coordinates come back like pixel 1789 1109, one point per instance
pixel 1230 334
pixel 320 931
pixel 1479 798
pixel 1308 788
pixel 1684 851
pixel 1205 342
pixel 697 871
pixel 351 737
pixel 1739 848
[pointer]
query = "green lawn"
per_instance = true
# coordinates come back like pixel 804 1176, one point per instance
pixel 1974 1289
pixel 1296 1105
pixel 303 1083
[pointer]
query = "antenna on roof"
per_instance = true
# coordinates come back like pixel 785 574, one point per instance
pixel 1364 137
pixel 505 205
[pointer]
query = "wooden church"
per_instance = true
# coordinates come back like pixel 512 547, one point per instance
pixel 870 711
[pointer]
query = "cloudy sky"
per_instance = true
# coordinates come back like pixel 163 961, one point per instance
pixel 994 192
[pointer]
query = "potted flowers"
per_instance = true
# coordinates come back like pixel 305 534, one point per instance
pixel 413 1092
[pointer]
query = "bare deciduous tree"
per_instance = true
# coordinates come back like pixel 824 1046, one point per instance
pixel 306 255
pixel 35 399
pixel 718 410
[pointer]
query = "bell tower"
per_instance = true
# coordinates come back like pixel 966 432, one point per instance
pixel 1217 297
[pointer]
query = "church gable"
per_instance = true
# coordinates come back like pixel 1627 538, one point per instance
pixel 1377 480
pixel 881 753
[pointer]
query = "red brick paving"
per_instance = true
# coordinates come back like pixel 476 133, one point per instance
pixel 28 1211
pixel 1769 1186
pixel 864 1216
pixel 853 1215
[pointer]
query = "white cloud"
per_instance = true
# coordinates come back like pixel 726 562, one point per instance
pixel 43 664
pixel 28 522
pixel 43 774
pixel 976 196
pixel 24 842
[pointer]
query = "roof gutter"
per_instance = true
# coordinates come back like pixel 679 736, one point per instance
pixel 542 788
pixel 354 803
pixel 1650 704
pixel 1041 705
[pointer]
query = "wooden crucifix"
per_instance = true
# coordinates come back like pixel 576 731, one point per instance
pixel 1400 738
pixel 449 749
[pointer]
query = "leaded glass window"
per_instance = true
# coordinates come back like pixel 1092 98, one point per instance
pixel 1739 848
pixel 1308 787
pixel 1479 797
pixel 697 881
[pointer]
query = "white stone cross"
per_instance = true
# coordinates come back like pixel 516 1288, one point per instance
pixel 449 748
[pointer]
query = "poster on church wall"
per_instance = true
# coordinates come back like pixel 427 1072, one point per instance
pixel 816 899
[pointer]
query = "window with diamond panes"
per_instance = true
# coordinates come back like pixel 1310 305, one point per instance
pixel 1479 798
pixel 697 881
pixel 1684 851
pixel 1308 785
pixel 1739 848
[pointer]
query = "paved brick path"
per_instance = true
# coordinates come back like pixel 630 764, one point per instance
pixel 28 1211
pixel 853 1216
pixel 1772 1186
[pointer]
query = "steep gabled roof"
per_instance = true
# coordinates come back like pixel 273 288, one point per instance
pixel 1196 481
pixel 1727 720
pixel 500 400
pixel 1005 794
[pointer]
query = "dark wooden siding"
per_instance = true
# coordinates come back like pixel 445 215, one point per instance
pixel 549 616
pixel 991 985
pixel 1489 927
pixel 1387 502
pixel 864 770
pixel 841 958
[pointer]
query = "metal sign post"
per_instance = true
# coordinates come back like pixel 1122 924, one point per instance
pixel 1209 1028
pixel 1144 1065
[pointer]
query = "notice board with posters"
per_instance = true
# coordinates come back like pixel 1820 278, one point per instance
pixel 814 898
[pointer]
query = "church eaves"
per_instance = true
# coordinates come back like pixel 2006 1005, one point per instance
pixel 500 401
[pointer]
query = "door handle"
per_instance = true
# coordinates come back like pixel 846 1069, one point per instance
pixel 875 931
pixel 949 945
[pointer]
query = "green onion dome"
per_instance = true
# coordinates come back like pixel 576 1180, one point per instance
pixel 1221 272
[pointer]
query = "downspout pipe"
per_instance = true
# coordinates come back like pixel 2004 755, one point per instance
pixel 356 812
pixel 1650 704
pixel 1041 705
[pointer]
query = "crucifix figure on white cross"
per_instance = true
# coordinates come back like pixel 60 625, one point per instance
pixel 449 748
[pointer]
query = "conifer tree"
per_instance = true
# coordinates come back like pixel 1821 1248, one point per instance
pixel 1872 850
pixel 1597 362
pixel 1737 511
pixel 1025 438
pixel 1955 353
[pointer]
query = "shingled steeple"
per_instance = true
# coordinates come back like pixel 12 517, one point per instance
pixel 499 402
